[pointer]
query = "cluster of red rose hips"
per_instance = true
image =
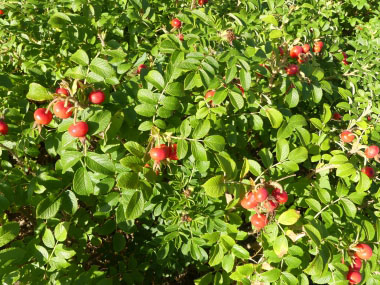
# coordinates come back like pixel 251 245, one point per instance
pixel 163 153
pixel 362 251
pixel 302 54
pixel 370 152
pixel 261 201
pixel 63 109
pixel 176 24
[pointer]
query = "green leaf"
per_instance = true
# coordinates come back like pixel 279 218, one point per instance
pixel 82 184
pixel 146 110
pixel 245 79
pixel 326 113
pixel 118 242
pixel 313 233
pixel 175 89
pixel 346 169
pixel 147 96
pixel 364 183
pixel 219 96
pixel 182 148
pixel 80 57
pixel 99 121
pixel 185 129
pixel 240 252
pixel 133 203
pixel 282 149
pixel 38 93
pixel 216 255
pixel 236 100
pixel 348 207
pixel 254 167
pixel 100 163
pixel 274 116
pixel 228 262
pixel 298 155
pixel 201 129
pixel 128 180
pixel 135 148
pixel 171 103
pixel 61 230
pixel 156 79
pixel 269 19
pixel 48 208
pixel 102 68
pixel 275 34
pixel 59 20
pixel 289 217
pixel 215 186
pixel 8 232
pixel 271 275
pixel 69 159
pixel 292 98
pixel 215 142
pixel 317 93
pixel 48 238
pixel 198 151
pixel 280 246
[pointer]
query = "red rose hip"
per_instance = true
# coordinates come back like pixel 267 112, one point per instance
pixel 292 69
pixel 354 277
pixel 369 171
pixel 158 153
pixel 78 130
pixel 209 94
pixel 305 48
pixel 140 67
pixel 280 196
pixel 295 51
pixel 259 221
pixel 371 151
pixel 173 152
pixel 61 111
pixel 3 128
pixel 347 136
pixel 363 251
pixel 43 116
pixel 248 202
pixel 270 205
pixel 337 116
pixel 356 264
pixel 260 195
pixel 62 91
pixel 176 23
pixel 97 97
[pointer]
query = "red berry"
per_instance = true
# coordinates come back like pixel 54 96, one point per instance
pixel 369 171
pixel 270 205
pixel 181 37
pixel 318 47
pixel 43 116
pixel 371 151
pixel 337 116
pixel 292 69
pixel 344 55
pixel 259 221
pixel 347 136
pixel 369 118
pixel 80 129
pixel 354 277
pixel 363 251
pixel 173 152
pixel 97 97
pixel 61 111
pixel 3 128
pixel 62 91
pixel 356 264
pixel 176 23
pixel 158 153
pixel 141 66
pixel 281 50
pixel 241 88
pixel 296 51
pixel 166 149
pixel 280 196
pixel 209 94
pixel 1 12
pixel 201 2
pixel 260 195
pixel 305 48
pixel 248 202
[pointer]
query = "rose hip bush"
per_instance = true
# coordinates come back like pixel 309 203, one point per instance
pixel 207 142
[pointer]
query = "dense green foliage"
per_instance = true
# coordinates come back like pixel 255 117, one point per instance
pixel 99 210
